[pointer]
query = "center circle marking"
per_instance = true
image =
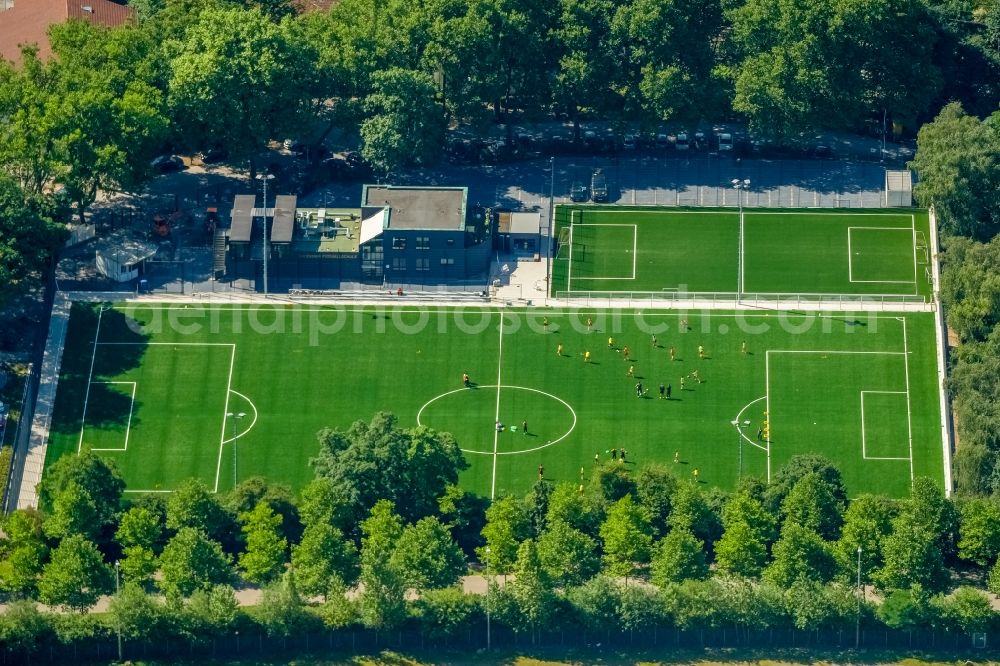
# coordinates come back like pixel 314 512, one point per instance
pixel 516 388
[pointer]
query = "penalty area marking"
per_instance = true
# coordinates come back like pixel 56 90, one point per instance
pixel 517 388
pixel 739 420
pixel 253 422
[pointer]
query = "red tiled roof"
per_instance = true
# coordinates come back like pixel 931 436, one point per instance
pixel 28 20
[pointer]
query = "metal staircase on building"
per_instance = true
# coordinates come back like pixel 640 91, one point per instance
pixel 219 253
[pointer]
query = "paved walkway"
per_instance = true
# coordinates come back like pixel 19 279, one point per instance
pixel 29 462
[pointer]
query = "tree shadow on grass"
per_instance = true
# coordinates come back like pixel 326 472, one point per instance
pixel 86 369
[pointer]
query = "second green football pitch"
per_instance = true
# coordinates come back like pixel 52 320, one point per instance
pixel 608 251
pixel 225 392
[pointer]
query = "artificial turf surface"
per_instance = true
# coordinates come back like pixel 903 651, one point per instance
pixel 295 370
pixel 782 252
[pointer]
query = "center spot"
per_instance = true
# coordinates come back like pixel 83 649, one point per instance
pixel 470 415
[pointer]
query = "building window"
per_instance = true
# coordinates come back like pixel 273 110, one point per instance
pixel 447 262
pixel 398 243
pixel 450 242
pixel 399 263
pixel 423 242
pixel 423 264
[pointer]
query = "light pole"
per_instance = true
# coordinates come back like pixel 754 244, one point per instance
pixel 489 645
pixel 548 240
pixel 740 186
pixel 264 177
pixel 118 624
pixel 857 625
pixel 233 418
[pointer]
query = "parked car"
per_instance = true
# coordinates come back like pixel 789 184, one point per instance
pixel 578 192
pixel 167 164
pixel 3 416
pixel 630 142
pixel 598 187
pixel 682 142
pixel 725 142
pixel 662 141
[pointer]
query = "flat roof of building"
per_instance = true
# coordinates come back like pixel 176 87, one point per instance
pixel 242 218
pixel 419 207
pixel 520 223
pixel 327 230
pixel 124 249
pixel 283 222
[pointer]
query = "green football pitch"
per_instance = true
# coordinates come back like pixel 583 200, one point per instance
pixel 151 386
pixel 606 251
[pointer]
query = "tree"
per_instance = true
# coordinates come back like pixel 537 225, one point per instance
pixel 23 553
pixel 536 506
pixel 445 612
pixel 98 478
pixel 506 527
pixel 691 511
pixel 252 491
pixel 679 556
pixel 959 172
pixel 610 482
pixel 800 553
pixel 797 467
pixel 967 610
pixel 531 590
pixel 73 512
pixel 324 502
pixel 979 540
pixel 929 509
pixel 912 556
pixel 567 555
pixel 266 549
pixel 405 124
pixel 253 69
pixel 748 510
pixel 640 608
pixel 627 537
pixel 812 504
pixel 322 554
pixel 75 576
pixel 192 505
pixel 378 460
pixel 23 627
pixel 974 376
pixel 209 612
pixel 867 524
pixel 426 556
pixel 29 237
pixel 281 610
pixel 740 551
pixel 970 289
pixel 464 513
pixel 596 604
pixel 568 505
pixel 812 605
pixel 135 614
pixel 655 487
pixel 139 532
pixel 905 609
pixel 192 561
pixel 381 604
pixel 993 580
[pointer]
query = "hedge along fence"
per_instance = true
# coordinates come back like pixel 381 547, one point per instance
pixel 255 642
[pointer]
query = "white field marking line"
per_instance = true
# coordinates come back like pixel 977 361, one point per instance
pixel 864 449
pixel 496 432
pixel 850 257
pixel 225 410
pixel 569 266
pixel 128 427
pixel 173 344
pixel 909 420
pixel 767 407
pixel 913 225
pixel 509 386
pixel 252 423
pixel 738 420
pixel 90 380
pixel 635 249
pixel 740 282
pixel 147 491
pixel 767 382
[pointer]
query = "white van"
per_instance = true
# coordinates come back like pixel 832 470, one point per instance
pixel 682 142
